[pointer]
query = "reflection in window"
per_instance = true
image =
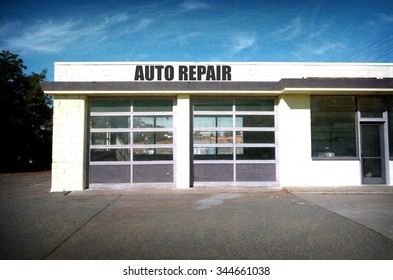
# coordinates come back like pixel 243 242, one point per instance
pixel 333 126
pixel 153 138
pixel 213 137
pixel 150 154
pixel 153 122
pixel 249 137
pixel 212 121
pixel 254 121
pixel 153 105
pixel 254 105
pixel 110 155
pixel 213 105
pixel 110 122
pixel 110 138
pixel 371 106
pixel 213 153
pixel 110 105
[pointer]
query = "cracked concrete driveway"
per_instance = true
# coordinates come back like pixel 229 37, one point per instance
pixel 234 223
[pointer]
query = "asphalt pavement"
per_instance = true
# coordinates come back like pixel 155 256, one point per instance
pixel 200 223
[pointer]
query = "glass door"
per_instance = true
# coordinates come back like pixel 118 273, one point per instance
pixel 372 153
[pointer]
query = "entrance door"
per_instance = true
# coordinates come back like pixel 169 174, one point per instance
pixel 373 153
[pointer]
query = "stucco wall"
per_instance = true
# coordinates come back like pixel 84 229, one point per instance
pixel 295 163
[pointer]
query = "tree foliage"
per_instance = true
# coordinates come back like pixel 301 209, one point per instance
pixel 25 117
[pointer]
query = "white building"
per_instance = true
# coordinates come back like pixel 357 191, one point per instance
pixel 170 124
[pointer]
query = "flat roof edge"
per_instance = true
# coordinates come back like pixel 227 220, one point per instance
pixel 215 62
pixel 310 84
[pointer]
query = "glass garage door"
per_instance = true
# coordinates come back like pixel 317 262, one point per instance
pixel 234 141
pixel 131 142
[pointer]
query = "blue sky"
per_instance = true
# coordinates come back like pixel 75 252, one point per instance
pixel 45 31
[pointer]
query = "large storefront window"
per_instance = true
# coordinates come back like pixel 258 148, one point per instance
pixel 234 140
pixel 131 141
pixel 333 126
pixel 371 107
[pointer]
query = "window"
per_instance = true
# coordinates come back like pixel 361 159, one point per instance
pixel 371 106
pixel 333 126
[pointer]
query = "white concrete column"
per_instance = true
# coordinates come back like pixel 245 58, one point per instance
pixel 182 125
pixel 69 144
pixel 294 125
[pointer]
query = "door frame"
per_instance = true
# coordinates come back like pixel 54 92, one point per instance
pixel 384 153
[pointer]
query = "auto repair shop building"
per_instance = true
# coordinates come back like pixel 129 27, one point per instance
pixel 181 125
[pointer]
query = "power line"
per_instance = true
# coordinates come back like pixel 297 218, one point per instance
pixel 374 50
pixel 372 46
pixel 381 54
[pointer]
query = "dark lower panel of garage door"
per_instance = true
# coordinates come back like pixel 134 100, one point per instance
pixel 255 172
pixel 102 174
pixel 158 173
pixel 206 172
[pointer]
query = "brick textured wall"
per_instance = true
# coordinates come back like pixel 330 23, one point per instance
pixel 69 151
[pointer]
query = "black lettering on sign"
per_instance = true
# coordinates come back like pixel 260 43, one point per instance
pixel 149 72
pixel 210 75
pixel 169 73
pixel 226 73
pixel 186 73
pixel 201 71
pixel 192 69
pixel 154 72
pixel 159 72
pixel 218 73
pixel 183 76
pixel 139 73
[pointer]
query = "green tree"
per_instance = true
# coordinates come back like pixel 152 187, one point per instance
pixel 25 117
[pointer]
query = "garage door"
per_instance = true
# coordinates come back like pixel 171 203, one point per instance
pixel 234 141
pixel 131 142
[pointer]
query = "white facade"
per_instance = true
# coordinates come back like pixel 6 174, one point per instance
pixel 297 168
pixel 241 72
pixel 75 84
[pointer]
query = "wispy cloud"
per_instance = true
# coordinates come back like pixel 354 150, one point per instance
pixel 115 19
pixel 142 24
pixel 9 27
pixel 44 36
pixel 310 41
pixel 317 51
pixel 192 5
pixel 242 42
pixel 385 18
pixel 381 20
pixel 55 36
pixel 325 47
pixel 186 38
pixel 291 30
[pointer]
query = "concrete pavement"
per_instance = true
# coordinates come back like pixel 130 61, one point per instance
pixel 374 211
pixel 235 223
